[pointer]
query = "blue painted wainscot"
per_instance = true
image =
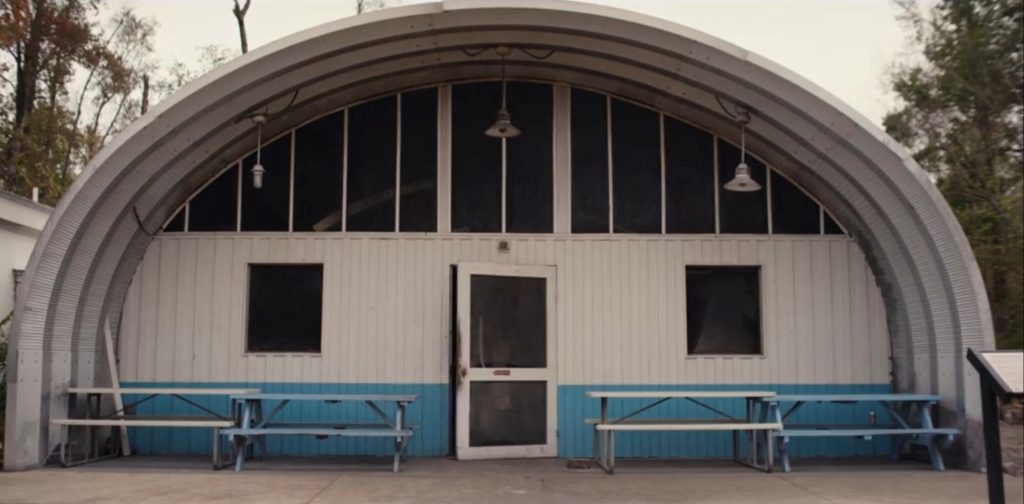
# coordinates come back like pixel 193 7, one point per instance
pixel 431 415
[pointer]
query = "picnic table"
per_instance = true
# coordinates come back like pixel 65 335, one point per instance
pixel 255 425
pixel 605 427
pixel 911 422
pixel 119 418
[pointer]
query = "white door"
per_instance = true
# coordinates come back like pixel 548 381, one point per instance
pixel 505 401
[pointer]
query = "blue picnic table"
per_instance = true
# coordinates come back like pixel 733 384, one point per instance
pixel 911 422
pixel 254 425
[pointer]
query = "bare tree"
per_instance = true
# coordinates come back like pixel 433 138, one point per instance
pixel 239 13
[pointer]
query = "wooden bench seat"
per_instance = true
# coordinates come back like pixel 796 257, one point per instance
pixel 146 421
pixel 865 433
pixel 687 426
pixel 298 431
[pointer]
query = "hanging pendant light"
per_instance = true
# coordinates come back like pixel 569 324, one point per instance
pixel 742 181
pixel 503 127
pixel 257 170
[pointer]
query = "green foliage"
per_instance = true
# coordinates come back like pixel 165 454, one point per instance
pixel 960 113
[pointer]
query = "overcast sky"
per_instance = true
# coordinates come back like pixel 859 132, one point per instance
pixel 845 46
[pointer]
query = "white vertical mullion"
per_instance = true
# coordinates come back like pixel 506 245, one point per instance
pixel 189 204
pixel 291 185
pixel 504 185
pixel 398 159
pixel 768 196
pixel 238 198
pixel 821 219
pixel 563 162
pixel 611 178
pixel 444 158
pixel 344 174
pixel 718 217
pixel 661 143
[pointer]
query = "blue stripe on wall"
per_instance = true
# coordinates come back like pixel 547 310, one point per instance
pixel 431 416
pixel 576 438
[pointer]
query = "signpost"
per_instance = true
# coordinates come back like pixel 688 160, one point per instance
pixel 1002 377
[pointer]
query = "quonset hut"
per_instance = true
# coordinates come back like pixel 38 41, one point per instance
pixel 390 240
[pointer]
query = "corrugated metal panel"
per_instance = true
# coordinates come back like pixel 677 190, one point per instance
pixel 620 318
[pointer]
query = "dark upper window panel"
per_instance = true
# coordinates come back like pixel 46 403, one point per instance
pixel 793 211
pixel 177 223
pixel 589 130
pixel 741 212
pixel 318 170
pixel 528 162
pixel 832 227
pixel 285 307
pixel 723 310
pixel 476 158
pixel 418 195
pixel 266 209
pixel 215 207
pixel 636 169
pixel 689 179
pixel 372 143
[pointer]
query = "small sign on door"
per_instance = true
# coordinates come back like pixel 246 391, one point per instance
pixel 502 372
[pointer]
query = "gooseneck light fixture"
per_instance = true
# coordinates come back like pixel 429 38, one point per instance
pixel 742 181
pixel 503 127
pixel 257 170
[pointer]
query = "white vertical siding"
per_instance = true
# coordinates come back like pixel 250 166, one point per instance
pixel 621 315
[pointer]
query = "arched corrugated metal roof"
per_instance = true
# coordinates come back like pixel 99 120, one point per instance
pixel 91 246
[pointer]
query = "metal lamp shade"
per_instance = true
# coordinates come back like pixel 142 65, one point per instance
pixel 742 181
pixel 502 127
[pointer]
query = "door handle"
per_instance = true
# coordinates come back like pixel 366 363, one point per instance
pixel 461 375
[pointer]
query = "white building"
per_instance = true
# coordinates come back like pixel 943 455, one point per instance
pixel 21 221
pixel 391 245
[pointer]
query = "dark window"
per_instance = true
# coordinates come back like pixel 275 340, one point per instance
pixel 589 162
pixel 636 169
pixel 689 179
pixel 418 199
pixel 215 208
pixel 266 209
pixel 832 227
pixel 508 327
pixel 476 158
pixel 793 211
pixel 372 143
pixel 741 212
pixel 723 310
pixel 177 223
pixel 318 169
pixel 528 160
pixel 285 307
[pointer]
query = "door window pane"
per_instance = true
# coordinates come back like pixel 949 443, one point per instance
pixel 528 161
pixel 689 179
pixel 476 158
pixel 372 142
pixel 589 130
pixel 741 212
pixel 318 170
pixel 418 193
pixel 215 208
pixel 723 310
pixel 793 211
pixel 285 307
pixel 266 209
pixel 636 168
pixel 508 413
pixel 508 322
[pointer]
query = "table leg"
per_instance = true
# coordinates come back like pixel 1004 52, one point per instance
pixel 604 434
pixel 216 447
pixel 261 440
pixel 925 412
pixel 398 440
pixel 241 441
pixel 769 463
pixel 611 452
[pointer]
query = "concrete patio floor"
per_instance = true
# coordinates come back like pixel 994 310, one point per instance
pixel 187 480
